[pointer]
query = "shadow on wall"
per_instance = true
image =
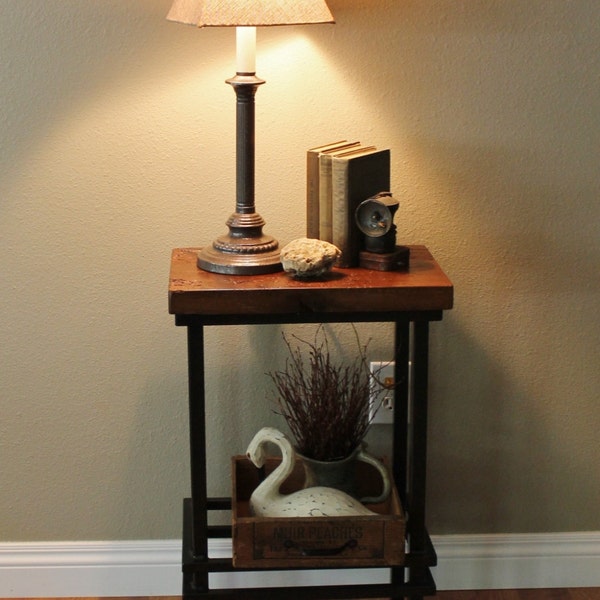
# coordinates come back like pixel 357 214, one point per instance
pixel 147 502
pixel 504 455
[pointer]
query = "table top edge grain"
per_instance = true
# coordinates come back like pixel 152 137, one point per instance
pixel 424 287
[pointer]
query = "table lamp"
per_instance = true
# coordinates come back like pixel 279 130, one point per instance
pixel 245 250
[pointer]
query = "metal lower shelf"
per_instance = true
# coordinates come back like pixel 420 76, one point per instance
pixel 413 579
pixel 325 592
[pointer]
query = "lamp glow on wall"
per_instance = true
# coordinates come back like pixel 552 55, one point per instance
pixel 245 250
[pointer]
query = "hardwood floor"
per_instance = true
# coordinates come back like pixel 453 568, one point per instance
pixel 550 594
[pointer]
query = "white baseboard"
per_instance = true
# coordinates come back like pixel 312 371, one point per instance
pixel 153 568
pixel 518 561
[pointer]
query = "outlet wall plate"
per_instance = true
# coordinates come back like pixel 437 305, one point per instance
pixel 381 400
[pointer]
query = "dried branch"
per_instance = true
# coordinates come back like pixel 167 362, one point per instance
pixel 326 405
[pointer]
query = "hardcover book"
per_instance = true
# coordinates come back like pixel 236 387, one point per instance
pixel 313 210
pixel 355 176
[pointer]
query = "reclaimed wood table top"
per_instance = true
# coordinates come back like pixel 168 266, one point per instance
pixel 423 287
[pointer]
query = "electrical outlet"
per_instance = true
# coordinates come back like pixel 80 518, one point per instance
pixel 381 400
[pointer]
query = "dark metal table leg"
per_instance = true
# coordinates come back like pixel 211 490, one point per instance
pixel 199 582
pixel 417 533
pixel 400 427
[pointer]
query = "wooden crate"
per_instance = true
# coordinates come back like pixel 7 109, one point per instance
pixel 261 542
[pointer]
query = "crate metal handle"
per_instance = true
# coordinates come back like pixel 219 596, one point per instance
pixel 289 544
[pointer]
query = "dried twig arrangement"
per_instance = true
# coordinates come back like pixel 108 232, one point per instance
pixel 326 405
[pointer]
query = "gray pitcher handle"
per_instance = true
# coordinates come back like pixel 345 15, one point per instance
pixel 387 486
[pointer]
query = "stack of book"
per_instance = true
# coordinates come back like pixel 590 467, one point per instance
pixel 339 176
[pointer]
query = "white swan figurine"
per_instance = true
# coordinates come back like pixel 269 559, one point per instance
pixel 266 501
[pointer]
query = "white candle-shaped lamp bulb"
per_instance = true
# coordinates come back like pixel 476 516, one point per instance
pixel 246 49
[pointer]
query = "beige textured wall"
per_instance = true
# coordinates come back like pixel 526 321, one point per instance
pixel 116 144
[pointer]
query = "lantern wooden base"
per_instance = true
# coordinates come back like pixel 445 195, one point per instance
pixel 398 260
